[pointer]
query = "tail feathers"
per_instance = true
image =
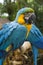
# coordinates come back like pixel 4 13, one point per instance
pixel 1 61
pixel 2 53
pixel 2 56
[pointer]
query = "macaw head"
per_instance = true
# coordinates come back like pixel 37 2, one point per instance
pixel 25 15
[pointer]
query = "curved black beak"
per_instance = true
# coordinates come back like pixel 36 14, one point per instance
pixel 30 18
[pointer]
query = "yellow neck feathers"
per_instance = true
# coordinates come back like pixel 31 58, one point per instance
pixel 21 19
pixel 22 22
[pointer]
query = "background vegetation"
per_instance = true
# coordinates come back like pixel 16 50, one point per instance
pixel 12 7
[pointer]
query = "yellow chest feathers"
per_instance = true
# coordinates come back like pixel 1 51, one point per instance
pixel 28 26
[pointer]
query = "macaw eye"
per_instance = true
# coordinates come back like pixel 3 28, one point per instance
pixel 27 18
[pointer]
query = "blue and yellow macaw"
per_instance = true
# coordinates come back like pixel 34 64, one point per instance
pixel 26 17
pixel 15 33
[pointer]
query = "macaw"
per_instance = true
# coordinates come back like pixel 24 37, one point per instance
pixel 21 29
pixel 26 17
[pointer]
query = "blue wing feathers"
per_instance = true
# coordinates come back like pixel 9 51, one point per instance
pixel 6 31
pixel 39 43
pixel 19 36
pixel 6 27
pixel 35 37
pixel 13 33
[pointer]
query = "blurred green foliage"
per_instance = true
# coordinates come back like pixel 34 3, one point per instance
pixel 1 7
pixel 12 7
